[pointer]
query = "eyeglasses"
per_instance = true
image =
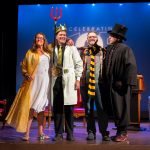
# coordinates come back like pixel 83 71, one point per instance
pixel 39 38
pixel 92 37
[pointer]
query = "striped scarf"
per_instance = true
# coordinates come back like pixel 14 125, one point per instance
pixel 91 86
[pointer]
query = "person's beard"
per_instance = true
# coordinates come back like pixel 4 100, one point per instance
pixel 92 43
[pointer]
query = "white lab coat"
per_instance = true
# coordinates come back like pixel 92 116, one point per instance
pixel 74 64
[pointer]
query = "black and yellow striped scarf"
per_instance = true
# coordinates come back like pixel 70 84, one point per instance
pixel 91 87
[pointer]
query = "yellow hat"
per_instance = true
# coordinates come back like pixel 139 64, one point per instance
pixel 61 28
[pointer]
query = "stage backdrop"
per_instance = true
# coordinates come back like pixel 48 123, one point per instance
pixel 81 18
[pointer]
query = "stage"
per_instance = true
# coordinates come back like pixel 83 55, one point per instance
pixel 10 139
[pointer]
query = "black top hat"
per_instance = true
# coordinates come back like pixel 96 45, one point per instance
pixel 119 31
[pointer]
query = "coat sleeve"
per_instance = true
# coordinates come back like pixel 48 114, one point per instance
pixel 78 63
pixel 131 68
pixel 24 65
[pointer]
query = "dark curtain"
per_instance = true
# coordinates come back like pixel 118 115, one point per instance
pixel 8 53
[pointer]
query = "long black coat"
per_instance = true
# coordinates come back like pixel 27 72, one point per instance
pixel 120 73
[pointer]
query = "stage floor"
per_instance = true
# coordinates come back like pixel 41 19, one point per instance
pixel 10 139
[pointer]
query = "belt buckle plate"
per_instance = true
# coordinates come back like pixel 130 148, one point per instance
pixel 66 70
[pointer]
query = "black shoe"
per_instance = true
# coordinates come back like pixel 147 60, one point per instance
pixel 70 137
pixel 113 137
pixel 58 137
pixel 91 136
pixel 106 138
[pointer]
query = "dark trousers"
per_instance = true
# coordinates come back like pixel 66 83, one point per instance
pixel 101 114
pixel 121 107
pixel 63 114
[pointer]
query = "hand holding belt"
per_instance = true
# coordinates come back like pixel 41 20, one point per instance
pixel 56 71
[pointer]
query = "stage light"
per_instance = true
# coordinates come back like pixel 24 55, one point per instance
pixel 66 5
pixel 93 4
pixel 120 4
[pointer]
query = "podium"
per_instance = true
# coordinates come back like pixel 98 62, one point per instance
pixel 135 104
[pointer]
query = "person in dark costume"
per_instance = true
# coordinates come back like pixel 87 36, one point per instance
pixel 120 72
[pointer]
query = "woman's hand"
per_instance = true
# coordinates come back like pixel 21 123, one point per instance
pixel 77 85
pixel 28 77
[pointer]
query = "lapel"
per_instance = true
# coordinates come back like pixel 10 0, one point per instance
pixel 113 57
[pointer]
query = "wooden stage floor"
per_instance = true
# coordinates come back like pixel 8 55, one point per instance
pixel 11 140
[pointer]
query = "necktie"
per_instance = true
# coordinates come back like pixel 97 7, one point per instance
pixel 59 60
